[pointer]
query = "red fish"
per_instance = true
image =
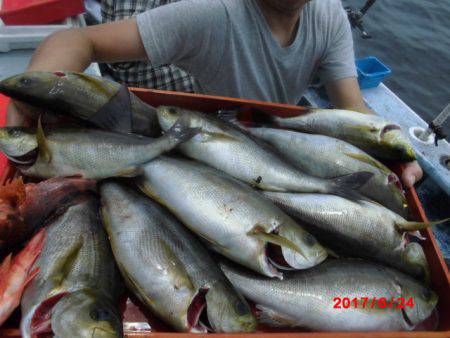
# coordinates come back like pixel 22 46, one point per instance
pixel 16 273
pixel 25 207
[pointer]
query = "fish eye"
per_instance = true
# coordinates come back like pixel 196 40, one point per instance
pixel 310 239
pixel 100 314
pixel 172 111
pixel 240 307
pixel 13 132
pixel 26 81
pixel 426 293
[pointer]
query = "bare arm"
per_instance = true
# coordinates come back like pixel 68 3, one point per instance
pixel 76 49
pixel 345 94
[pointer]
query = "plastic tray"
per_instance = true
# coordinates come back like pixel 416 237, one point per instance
pixel 38 12
pixel 371 72
pixel 140 323
pixel 29 37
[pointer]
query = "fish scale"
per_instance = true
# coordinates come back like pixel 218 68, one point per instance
pixel 178 268
pixel 225 212
pixel 88 153
pixel 232 150
pixel 84 96
pixel 369 132
pixel 305 298
pixel 76 256
pixel 357 228
pixel 328 157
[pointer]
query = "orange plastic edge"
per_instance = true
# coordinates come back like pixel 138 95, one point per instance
pixel 440 276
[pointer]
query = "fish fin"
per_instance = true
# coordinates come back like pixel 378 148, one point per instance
pixel 331 253
pixel 260 233
pixel 260 119
pixel 116 114
pixel 348 185
pixel 6 264
pixel 369 160
pixel 413 226
pixel 271 317
pixel 180 277
pixel 213 136
pixel 147 191
pixel 31 276
pixel 128 172
pixel 13 193
pixel 44 150
pixel 417 235
pixel 98 83
pixel 181 131
pixel 67 263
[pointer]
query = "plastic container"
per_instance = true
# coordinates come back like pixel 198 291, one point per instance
pixel 3 104
pixel 138 322
pixel 38 12
pixel 371 72
pixel 29 37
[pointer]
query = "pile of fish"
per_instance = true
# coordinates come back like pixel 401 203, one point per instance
pixel 195 216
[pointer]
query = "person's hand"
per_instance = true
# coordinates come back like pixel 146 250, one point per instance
pixel 412 173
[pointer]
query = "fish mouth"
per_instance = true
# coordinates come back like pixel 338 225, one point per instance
pixel 27 159
pixel 274 254
pixel 393 179
pixel 408 322
pixel 41 316
pixel 196 309
pixel 389 128
pixel 60 74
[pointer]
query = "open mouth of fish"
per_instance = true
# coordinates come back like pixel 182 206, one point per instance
pixel 275 260
pixel 389 128
pixel 38 321
pixel 25 160
pixel 196 314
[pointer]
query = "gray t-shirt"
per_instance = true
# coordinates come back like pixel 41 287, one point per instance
pixel 229 49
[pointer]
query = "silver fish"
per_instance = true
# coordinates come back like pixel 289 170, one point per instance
pixel 180 278
pixel 232 217
pixel 87 153
pixel 105 103
pixel 307 298
pixel 357 228
pixel 228 148
pixel 369 132
pixel 76 258
pixel 328 157
pixel 86 313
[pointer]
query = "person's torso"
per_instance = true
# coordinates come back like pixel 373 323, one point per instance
pixel 254 66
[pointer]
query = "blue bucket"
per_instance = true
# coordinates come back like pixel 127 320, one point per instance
pixel 371 72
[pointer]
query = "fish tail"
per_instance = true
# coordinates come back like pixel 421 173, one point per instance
pixel 260 119
pixel 181 131
pixel 348 185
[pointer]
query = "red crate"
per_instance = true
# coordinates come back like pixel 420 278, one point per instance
pixel 134 312
pixel 38 12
